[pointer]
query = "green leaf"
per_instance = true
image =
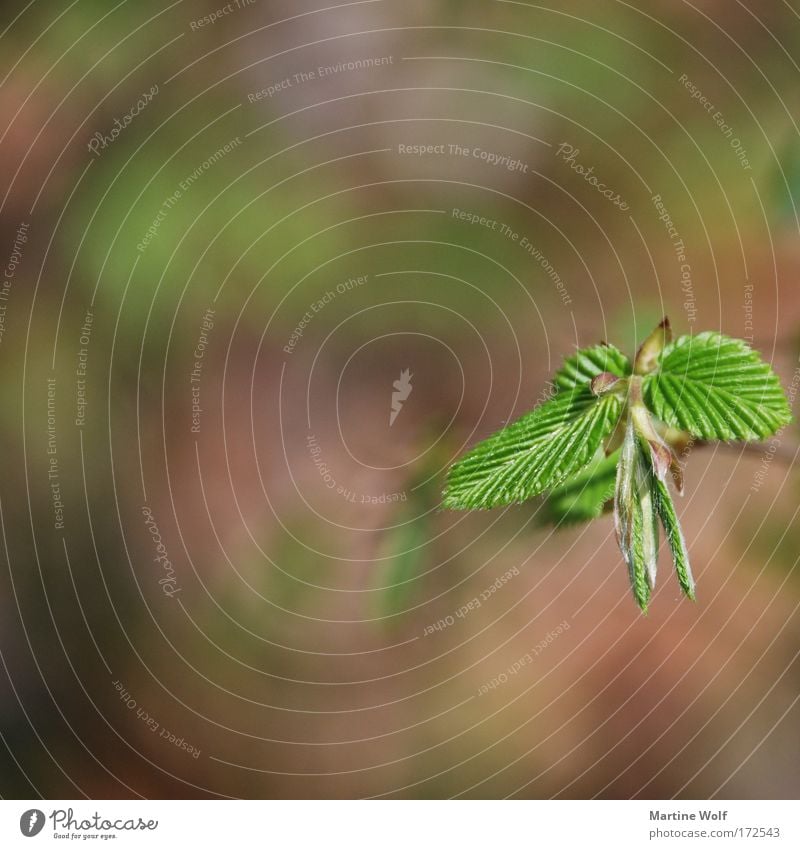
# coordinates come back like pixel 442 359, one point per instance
pixel 539 451
pixel 583 496
pixel 646 358
pixel 716 387
pixel 579 369
pixel 635 518
pixel 635 557
pixel 649 520
pixel 680 556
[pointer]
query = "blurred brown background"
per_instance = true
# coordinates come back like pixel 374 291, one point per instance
pixel 223 568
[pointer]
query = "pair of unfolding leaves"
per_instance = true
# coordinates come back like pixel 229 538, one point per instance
pixel 708 387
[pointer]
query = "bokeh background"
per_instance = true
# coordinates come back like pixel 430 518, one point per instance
pixel 224 572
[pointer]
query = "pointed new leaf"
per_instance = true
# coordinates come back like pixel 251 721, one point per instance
pixel 636 558
pixel 537 452
pixel 635 516
pixel 649 526
pixel 586 364
pixel 669 519
pixel 647 356
pixel 716 387
pixel 583 496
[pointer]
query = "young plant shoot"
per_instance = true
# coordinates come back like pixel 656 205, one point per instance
pixel 613 430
